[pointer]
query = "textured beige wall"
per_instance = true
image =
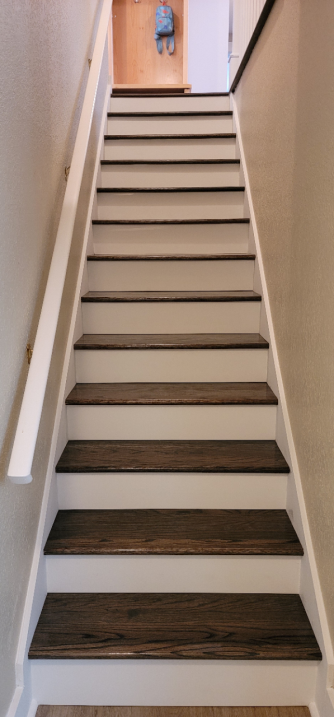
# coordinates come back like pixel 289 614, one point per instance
pixel 286 105
pixel 44 70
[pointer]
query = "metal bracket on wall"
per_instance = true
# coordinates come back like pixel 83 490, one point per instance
pixel 29 352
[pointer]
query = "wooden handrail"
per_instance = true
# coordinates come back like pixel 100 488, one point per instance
pixel 34 393
pixel 250 47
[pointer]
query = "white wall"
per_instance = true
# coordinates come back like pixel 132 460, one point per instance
pixel 43 75
pixel 208 45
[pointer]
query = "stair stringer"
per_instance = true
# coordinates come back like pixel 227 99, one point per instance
pixel 310 589
pixel 24 703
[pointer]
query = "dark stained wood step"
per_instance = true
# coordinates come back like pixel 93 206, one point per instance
pixel 157 394
pixel 120 162
pixel 172 532
pixel 224 135
pixel 185 114
pixel 171 257
pixel 178 222
pixel 179 296
pixel 166 94
pixel 174 626
pixel 172 457
pixel 170 341
pixel 166 190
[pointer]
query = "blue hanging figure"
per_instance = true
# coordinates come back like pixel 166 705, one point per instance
pixel 164 26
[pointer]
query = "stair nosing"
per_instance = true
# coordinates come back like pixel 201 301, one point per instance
pixel 166 190
pixel 168 161
pixel 171 257
pixel 173 532
pixel 127 342
pixel 134 393
pixel 211 626
pixel 186 113
pixel 168 94
pixel 222 135
pixel 107 297
pixel 177 222
pixel 170 456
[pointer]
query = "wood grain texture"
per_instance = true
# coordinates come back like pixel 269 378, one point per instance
pixel 164 394
pixel 88 711
pixel 136 59
pixel 186 113
pixel 170 341
pixel 171 257
pixel 174 626
pixel 171 296
pixel 149 162
pixel 224 135
pixel 172 532
pixel 172 457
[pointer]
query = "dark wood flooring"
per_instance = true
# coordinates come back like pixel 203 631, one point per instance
pixel 172 532
pixel 171 257
pixel 172 456
pixel 171 341
pixel 172 296
pixel 126 137
pixel 189 626
pixel 152 394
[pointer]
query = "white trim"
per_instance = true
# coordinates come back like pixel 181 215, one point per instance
pixel 32 404
pixel 37 574
pixel 313 709
pixel 325 634
pixel 11 712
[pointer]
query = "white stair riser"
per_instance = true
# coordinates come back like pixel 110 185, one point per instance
pixel 228 491
pixel 170 275
pixel 170 149
pixel 175 175
pixel 173 682
pixel 171 365
pixel 171 238
pixel 171 422
pixel 174 205
pixel 170 573
pixel 171 317
pixel 169 104
pixel 170 125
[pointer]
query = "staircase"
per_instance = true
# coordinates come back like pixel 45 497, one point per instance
pixel 172 565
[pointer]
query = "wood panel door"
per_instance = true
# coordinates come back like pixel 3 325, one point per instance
pixel 136 58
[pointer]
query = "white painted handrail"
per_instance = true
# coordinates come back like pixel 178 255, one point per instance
pixel 33 398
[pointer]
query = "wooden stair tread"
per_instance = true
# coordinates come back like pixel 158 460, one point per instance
pixel 168 94
pixel 171 257
pixel 178 222
pixel 172 456
pixel 223 135
pixel 223 394
pixel 174 626
pixel 186 113
pixel 168 161
pixel 172 532
pixel 166 190
pixel 180 296
pixel 170 341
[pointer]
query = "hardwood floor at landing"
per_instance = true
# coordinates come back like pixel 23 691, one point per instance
pixel 89 711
